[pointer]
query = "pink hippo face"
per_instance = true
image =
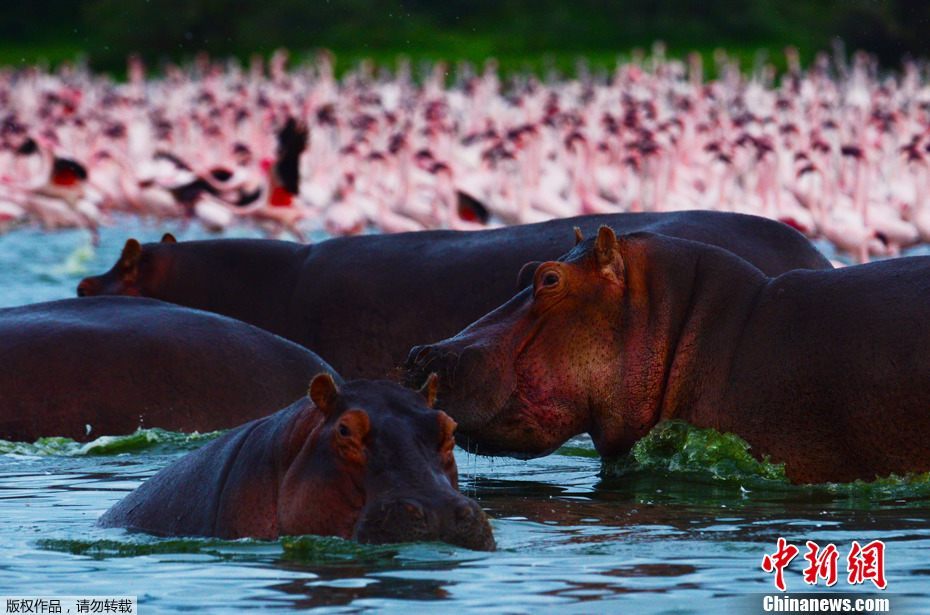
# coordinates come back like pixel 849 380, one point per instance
pixel 537 370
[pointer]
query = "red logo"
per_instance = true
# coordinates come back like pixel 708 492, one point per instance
pixel 867 564
pixel 821 563
pixel 862 563
pixel 778 561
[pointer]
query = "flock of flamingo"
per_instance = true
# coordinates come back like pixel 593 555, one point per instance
pixel 837 151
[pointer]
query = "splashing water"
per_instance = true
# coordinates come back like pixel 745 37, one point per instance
pixel 77 263
pixel 138 441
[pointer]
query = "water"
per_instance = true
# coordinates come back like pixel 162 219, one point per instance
pixel 680 527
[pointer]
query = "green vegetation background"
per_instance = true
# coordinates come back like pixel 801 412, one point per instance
pixel 521 33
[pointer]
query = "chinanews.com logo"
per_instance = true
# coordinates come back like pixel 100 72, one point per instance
pixel 863 564
pixel 821 604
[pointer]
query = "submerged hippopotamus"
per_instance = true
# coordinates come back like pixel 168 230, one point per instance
pixel 362 302
pixel 83 368
pixel 372 461
pixel 825 371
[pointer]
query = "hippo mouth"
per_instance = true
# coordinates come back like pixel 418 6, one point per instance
pixel 461 522
pixel 514 430
pixel 497 415
pixel 485 448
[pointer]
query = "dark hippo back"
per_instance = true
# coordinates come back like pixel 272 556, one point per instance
pixel 83 368
pixel 363 302
pixel 368 300
pixel 187 498
pixel 773 247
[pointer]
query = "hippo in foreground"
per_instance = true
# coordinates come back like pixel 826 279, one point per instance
pixel 825 371
pixel 83 368
pixel 362 302
pixel 371 462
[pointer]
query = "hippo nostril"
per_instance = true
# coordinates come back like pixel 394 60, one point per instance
pixel 412 356
pixel 423 360
pixel 417 355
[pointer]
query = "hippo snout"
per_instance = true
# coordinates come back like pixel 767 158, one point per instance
pixel 88 287
pixel 471 528
pixel 449 364
pixel 459 521
pixel 415 354
pixel 398 521
pixel 424 360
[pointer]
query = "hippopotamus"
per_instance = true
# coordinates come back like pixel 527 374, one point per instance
pixel 822 370
pixel 83 368
pixel 362 302
pixel 369 460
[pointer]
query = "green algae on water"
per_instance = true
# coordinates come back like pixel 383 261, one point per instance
pixel 894 487
pixel 678 447
pixel 305 549
pixel 43 446
pixel 577 451
pixel 148 545
pixel 320 549
pixel 140 440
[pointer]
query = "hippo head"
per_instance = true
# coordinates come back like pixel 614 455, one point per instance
pixel 127 275
pixel 528 376
pixel 379 466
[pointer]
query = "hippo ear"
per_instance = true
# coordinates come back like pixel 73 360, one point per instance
pixel 579 237
pixel 324 393
pixel 447 427
pixel 429 388
pixel 129 258
pixel 607 251
pixel 527 271
pixel 168 238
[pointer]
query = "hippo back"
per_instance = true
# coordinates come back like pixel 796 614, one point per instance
pixel 191 496
pixel 362 302
pixel 82 368
pixel 365 301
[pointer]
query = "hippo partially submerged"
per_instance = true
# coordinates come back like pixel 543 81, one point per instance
pixel 83 368
pixel 825 371
pixel 372 461
pixel 362 302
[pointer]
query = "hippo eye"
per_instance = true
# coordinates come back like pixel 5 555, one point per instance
pixel 343 431
pixel 550 279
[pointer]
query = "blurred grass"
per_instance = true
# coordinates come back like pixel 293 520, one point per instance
pixel 560 62
pixel 474 53
pixel 46 54
pixel 534 35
